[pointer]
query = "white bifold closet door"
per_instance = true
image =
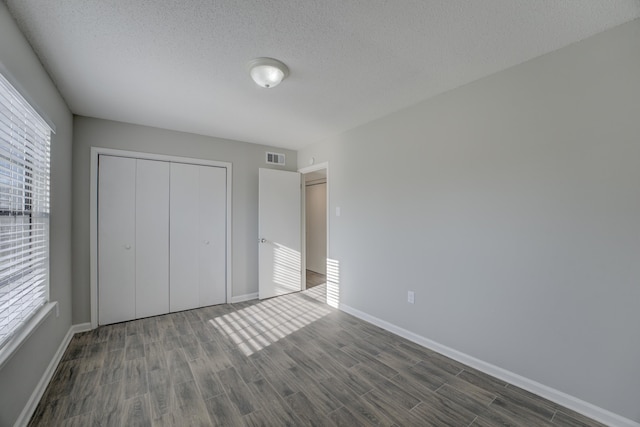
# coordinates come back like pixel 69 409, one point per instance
pixel 133 239
pixel 116 239
pixel 198 236
pixel 152 238
pixel 161 237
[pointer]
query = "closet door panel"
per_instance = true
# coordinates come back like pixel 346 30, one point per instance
pixel 184 237
pixel 212 244
pixel 152 238
pixel 116 239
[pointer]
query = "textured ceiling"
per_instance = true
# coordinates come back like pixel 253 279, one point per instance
pixel 182 64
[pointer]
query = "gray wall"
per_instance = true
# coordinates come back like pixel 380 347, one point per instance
pixel 246 159
pixel 512 207
pixel 19 377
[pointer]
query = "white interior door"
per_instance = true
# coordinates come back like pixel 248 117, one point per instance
pixel 152 238
pixel 280 270
pixel 116 242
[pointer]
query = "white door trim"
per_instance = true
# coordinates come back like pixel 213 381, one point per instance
pixel 93 214
pixel 303 221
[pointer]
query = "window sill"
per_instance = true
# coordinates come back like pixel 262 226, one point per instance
pixel 14 344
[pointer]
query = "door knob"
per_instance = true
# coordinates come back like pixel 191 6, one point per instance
pixel 262 240
pixel 206 242
pixel 127 247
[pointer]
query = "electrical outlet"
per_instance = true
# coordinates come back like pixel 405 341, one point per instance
pixel 411 297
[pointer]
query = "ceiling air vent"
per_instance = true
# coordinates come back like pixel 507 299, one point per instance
pixel 275 158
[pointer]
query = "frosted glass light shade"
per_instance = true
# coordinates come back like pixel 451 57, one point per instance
pixel 267 72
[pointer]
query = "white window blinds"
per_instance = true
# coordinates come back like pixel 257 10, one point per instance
pixel 24 211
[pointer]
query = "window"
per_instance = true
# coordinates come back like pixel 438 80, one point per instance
pixel 24 211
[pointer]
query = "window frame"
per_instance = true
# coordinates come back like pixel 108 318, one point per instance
pixel 39 125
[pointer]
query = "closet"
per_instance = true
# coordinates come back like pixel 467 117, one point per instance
pixel 161 237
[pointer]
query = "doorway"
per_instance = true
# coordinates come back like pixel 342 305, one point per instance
pixel 316 225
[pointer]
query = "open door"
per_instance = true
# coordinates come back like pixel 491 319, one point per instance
pixel 280 259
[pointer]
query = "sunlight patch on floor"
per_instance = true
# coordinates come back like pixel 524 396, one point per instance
pixel 262 324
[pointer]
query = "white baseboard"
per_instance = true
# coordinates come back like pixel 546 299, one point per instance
pixel 81 327
pixel 243 298
pixel 31 405
pixel 559 397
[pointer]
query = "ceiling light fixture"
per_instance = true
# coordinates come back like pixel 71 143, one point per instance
pixel 268 72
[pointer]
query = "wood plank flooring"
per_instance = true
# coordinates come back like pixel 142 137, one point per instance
pixel 315 279
pixel 287 361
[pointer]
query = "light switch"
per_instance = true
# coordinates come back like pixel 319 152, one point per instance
pixel 337 210
pixel 411 297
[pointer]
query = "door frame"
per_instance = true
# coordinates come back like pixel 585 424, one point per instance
pixel 303 222
pixel 93 214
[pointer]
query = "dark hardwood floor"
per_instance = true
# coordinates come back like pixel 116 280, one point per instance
pixel 287 361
